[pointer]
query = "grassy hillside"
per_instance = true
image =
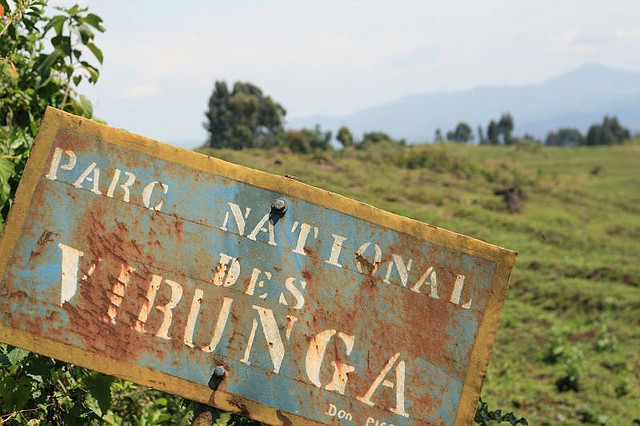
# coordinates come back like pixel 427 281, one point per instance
pixel 568 348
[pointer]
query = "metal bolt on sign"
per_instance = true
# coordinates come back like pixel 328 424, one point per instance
pixel 279 206
pixel 219 371
pixel 206 415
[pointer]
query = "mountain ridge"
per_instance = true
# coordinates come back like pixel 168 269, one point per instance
pixel 576 98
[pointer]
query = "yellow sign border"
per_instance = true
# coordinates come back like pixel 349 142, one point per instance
pixel 55 120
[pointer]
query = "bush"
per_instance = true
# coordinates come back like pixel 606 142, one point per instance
pixel 484 416
pixel 606 342
pixel 306 141
pixel 32 78
pixel 571 379
pixel 610 132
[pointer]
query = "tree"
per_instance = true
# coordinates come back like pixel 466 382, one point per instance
pixel 608 133
pixel 219 115
pixel 505 127
pixel 318 139
pixel 345 137
pixel 566 136
pixel 500 132
pixel 462 133
pixel 438 136
pixel 242 118
pixel 493 133
pixel 271 119
pixel 481 139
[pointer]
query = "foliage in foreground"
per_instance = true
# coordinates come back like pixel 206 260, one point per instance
pixel 43 59
pixel 42 62
pixel 485 416
pixel 38 390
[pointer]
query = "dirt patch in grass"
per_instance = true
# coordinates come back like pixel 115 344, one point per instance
pixel 582 337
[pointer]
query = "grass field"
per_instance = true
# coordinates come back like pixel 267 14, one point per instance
pixel 568 347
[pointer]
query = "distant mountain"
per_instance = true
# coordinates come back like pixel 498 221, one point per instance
pixel 577 98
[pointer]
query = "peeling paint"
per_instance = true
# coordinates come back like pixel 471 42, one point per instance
pixel 333 312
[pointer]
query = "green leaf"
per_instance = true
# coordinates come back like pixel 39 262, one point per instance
pixel 5 196
pixel 18 396
pixel 7 169
pixel 78 415
pixel 222 418
pixel 29 24
pixel 99 386
pixel 73 9
pixel 63 43
pixel 163 418
pixel 96 52
pixel 94 21
pixel 33 126
pixel 85 33
pixel 44 67
pixel 38 369
pixel 16 355
pixel 87 106
pixel 93 71
pixel 57 22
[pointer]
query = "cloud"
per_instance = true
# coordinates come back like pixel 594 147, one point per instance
pixel 141 91
pixel 418 56
pixel 628 35
pixel 581 41
pixel 593 39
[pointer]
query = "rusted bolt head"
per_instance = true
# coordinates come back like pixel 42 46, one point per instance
pixel 219 371
pixel 279 206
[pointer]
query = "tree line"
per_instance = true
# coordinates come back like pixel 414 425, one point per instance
pixel 498 132
pixel 244 117
pixel 609 132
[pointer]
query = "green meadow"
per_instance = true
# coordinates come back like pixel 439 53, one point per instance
pixel 568 346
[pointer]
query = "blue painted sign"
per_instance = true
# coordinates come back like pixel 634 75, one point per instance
pixel 243 290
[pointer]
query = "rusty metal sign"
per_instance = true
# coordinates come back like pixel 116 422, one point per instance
pixel 243 290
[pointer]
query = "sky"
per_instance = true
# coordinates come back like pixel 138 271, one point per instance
pixel 162 58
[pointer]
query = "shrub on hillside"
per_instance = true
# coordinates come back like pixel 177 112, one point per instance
pixel 610 132
pixel 306 141
pixel 376 138
pixel 566 136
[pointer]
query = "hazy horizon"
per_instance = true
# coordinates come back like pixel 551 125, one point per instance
pixel 330 58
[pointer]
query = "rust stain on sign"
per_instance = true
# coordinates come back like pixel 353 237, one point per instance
pixel 251 292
